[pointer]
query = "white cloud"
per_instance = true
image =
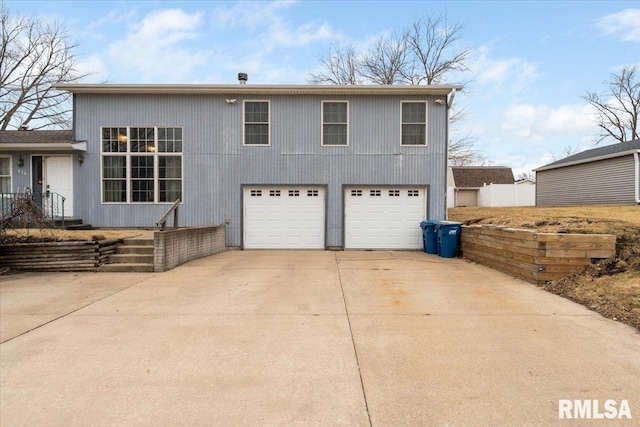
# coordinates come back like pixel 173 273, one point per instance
pixel 157 47
pixel 271 30
pixel 502 74
pixel 624 24
pixel 535 123
pixel 95 69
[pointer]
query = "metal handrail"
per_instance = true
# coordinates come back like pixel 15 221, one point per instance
pixel 51 203
pixel 162 222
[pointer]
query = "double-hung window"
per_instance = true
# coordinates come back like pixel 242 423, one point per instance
pixel 335 123
pixel 414 123
pixel 5 174
pixel 141 164
pixel 256 122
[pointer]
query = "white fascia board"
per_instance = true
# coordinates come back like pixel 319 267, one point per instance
pixel 248 89
pixel 44 146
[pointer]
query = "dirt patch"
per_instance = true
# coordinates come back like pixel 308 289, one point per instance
pixel 610 287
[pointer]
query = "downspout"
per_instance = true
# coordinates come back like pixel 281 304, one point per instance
pixel 636 158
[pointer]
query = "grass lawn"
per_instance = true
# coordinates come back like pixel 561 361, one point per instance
pixel 610 287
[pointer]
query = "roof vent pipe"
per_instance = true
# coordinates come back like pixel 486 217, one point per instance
pixel 242 78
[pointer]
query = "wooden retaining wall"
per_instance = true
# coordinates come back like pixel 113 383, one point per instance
pixel 532 256
pixel 57 256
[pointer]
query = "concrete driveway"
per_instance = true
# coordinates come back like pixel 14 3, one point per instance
pixel 304 338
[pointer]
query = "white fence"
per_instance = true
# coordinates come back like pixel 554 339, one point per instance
pixel 497 195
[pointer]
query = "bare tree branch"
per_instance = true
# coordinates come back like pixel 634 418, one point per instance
pixel 340 67
pixel 435 55
pixel 34 57
pixel 384 63
pixel 618 110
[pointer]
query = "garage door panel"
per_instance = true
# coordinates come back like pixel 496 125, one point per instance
pixel 284 218
pixel 384 218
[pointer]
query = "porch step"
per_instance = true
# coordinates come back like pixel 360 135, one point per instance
pixel 136 250
pixel 138 241
pixel 130 258
pixel 128 268
pixel 134 255
pixel 78 227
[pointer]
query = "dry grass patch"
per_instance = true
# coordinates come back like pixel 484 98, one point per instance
pixel 611 287
pixel 58 234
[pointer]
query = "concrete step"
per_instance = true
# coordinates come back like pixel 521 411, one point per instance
pixel 79 227
pixel 137 250
pixel 131 259
pixel 128 268
pixel 138 241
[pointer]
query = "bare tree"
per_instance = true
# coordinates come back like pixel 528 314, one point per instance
pixel 567 151
pixel 384 64
pixel 340 67
pixel 617 110
pixel 426 53
pixel 434 54
pixel 33 58
pixel 526 175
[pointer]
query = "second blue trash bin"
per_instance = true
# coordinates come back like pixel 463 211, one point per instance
pixel 449 238
pixel 430 236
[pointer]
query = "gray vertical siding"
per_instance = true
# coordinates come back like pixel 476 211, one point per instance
pixel 216 164
pixel 610 181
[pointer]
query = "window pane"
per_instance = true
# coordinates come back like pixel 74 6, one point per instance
pixel 334 135
pixel 413 135
pixel 256 134
pixel 142 179
pixel 4 166
pixel 169 167
pixel 335 112
pixel 114 140
pixel 170 190
pixel 256 112
pixel 142 140
pixel 169 140
pixel 414 112
pixel 114 182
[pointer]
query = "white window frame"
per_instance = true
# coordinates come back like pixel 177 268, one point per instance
pixel 244 123
pixel 336 101
pixel 156 165
pixel 10 158
pixel 426 127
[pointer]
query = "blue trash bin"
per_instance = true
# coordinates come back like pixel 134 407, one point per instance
pixel 429 236
pixel 449 238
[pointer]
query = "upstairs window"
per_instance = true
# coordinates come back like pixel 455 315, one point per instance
pixel 256 123
pixel 335 123
pixel 414 123
pixel 141 164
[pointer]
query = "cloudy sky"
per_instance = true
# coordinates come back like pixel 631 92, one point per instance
pixel 531 61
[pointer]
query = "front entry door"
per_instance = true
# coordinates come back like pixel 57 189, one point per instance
pixel 53 174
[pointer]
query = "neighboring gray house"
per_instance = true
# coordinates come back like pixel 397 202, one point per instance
pixel 283 166
pixel 464 182
pixel 600 176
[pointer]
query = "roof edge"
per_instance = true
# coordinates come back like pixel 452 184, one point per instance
pixel 589 160
pixel 231 89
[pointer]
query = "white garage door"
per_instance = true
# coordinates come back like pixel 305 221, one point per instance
pixel 384 218
pixel 284 218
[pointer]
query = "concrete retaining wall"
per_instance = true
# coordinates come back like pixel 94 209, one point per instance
pixel 532 256
pixel 175 247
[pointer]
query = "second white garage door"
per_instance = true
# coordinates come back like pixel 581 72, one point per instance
pixel 384 218
pixel 284 218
